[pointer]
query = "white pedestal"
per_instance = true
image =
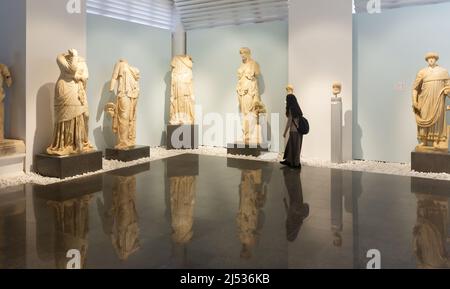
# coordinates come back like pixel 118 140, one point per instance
pixel 12 165
pixel 336 130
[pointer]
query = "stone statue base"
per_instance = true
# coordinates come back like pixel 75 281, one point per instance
pixel 249 149
pixel 430 162
pixel 131 154
pixel 68 166
pixel 12 157
pixel 182 137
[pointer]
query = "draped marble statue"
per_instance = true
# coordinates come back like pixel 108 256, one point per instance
pixel 5 78
pixel 250 104
pixel 71 134
pixel 431 87
pixel 182 101
pixel 123 111
pixel 7 146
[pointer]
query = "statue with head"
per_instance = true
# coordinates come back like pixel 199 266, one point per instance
pixel 431 87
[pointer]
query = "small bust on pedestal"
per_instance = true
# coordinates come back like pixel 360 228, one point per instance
pixel 336 124
pixel 337 88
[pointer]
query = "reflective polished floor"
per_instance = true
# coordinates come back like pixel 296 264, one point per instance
pixel 207 212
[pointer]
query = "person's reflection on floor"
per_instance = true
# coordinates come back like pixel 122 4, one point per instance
pixel 297 211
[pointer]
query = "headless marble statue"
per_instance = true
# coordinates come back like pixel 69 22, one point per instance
pixel 123 111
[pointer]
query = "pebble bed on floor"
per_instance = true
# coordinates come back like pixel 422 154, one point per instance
pixel 159 153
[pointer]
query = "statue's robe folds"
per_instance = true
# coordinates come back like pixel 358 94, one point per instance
pixel 71 109
pixel 431 119
pixel 182 109
pixel 124 121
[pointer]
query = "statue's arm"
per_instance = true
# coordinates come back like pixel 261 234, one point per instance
pixel 114 77
pixel 416 89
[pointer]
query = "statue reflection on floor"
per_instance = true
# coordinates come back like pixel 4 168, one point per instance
pixel 431 232
pixel 181 188
pixel 253 192
pixel 119 215
pixel 71 228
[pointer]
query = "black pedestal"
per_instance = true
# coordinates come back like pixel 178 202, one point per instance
pixel 182 137
pixel 69 166
pixel 430 162
pixel 128 155
pixel 246 149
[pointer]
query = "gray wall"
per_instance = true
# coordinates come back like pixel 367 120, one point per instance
pixel 390 51
pixel 147 48
pixel 13 54
pixel 216 60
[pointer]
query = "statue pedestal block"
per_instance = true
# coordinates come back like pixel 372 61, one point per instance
pixel 430 162
pixel 68 166
pixel 181 137
pixel 243 149
pixel 128 155
pixel 336 130
pixel 12 157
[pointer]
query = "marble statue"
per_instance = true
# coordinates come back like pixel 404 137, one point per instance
pixel 5 78
pixel 123 111
pixel 337 88
pixel 431 87
pixel 70 134
pixel 250 103
pixel 7 147
pixel 182 101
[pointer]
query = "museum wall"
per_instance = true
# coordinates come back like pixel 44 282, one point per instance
pixel 216 58
pixel 51 30
pixel 390 50
pixel 12 54
pixel 147 48
pixel 320 52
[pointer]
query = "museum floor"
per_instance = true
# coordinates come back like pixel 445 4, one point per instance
pixel 192 211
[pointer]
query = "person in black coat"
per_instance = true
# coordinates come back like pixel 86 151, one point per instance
pixel 294 145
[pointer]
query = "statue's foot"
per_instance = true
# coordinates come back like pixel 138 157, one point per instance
pixel 440 145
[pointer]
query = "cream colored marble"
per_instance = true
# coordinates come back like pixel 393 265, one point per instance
pixel 5 79
pixel 431 87
pixel 123 111
pixel 337 88
pixel 71 114
pixel 182 101
pixel 7 147
pixel 251 106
